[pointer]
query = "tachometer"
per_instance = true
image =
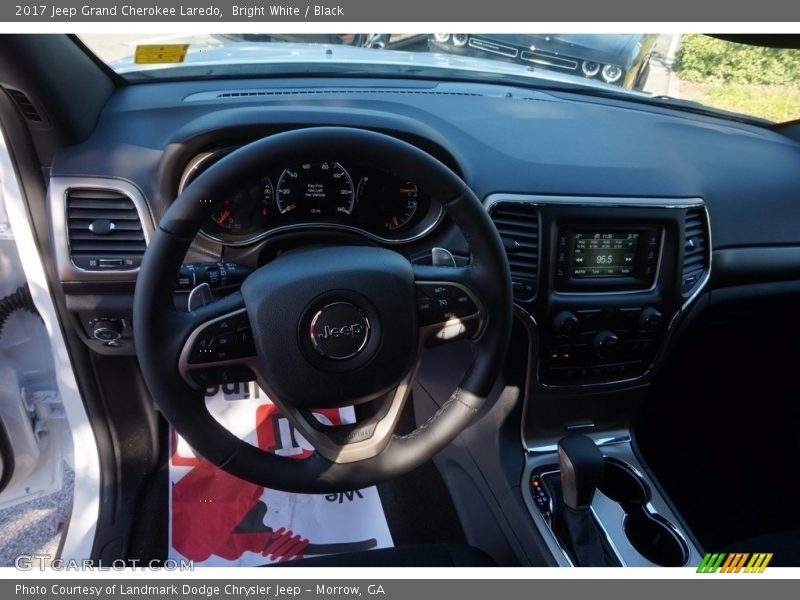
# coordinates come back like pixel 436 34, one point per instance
pixel 315 190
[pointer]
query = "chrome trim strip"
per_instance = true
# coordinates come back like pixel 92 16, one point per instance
pixel 493 47
pixel 196 162
pixel 594 201
pixel 57 197
pixel 549 61
pixel 609 202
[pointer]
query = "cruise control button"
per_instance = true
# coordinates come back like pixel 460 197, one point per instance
pixel 440 303
pixel 464 304
pixel 436 290
pixel 439 291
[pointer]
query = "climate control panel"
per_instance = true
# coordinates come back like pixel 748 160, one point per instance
pixel 596 345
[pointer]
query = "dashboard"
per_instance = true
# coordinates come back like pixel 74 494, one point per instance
pixel 327 195
pixel 620 220
pixel 624 224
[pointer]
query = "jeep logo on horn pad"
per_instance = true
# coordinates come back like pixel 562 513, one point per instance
pixel 339 331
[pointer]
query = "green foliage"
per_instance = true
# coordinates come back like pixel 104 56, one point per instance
pixel 776 103
pixel 703 59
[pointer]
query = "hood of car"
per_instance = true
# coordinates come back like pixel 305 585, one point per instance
pixel 302 58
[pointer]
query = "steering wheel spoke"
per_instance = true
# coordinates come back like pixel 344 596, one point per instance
pixel 361 440
pixel 219 347
pixel 448 308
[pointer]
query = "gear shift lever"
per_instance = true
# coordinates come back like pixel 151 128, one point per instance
pixel 581 465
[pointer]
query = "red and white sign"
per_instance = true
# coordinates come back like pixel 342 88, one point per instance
pixel 219 520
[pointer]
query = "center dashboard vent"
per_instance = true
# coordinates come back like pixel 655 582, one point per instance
pixel 695 249
pixel 518 226
pixel 105 230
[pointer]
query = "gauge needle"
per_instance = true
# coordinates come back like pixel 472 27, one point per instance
pixel 395 222
pixel 224 216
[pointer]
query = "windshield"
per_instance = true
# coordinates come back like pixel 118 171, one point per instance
pixel 755 81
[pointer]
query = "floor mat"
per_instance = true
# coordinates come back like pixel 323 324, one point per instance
pixel 219 520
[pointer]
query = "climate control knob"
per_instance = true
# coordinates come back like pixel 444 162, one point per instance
pixel 107 330
pixel 605 344
pixel 651 319
pixel 566 324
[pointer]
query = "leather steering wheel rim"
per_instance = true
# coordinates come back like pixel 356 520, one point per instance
pixel 161 331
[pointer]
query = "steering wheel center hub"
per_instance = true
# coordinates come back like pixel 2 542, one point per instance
pixel 339 331
pixel 333 328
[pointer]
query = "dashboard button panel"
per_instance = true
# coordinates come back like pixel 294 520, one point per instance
pixel 606 344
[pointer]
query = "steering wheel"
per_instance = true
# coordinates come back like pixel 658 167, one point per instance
pixel 324 327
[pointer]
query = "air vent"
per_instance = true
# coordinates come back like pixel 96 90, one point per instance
pixel 105 230
pixel 695 250
pixel 25 106
pixel 518 226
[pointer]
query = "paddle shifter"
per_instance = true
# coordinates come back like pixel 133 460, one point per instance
pixel 581 466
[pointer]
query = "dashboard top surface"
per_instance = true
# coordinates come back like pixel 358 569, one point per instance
pixel 501 139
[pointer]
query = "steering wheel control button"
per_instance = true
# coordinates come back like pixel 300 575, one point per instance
pixel 439 291
pixel 228 338
pixel 440 303
pixel 216 375
pixel 339 331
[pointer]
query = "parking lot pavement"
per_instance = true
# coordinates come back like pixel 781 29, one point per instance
pixel 37 526
pixel 661 80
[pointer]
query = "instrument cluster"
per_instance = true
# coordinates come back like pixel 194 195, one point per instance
pixel 329 194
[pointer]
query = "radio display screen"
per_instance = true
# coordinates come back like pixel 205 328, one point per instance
pixel 604 254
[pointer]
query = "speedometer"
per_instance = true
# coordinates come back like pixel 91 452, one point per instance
pixel 316 190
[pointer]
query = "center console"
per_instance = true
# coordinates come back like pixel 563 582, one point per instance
pixel 601 285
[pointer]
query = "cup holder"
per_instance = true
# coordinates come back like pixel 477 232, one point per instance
pixel 651 534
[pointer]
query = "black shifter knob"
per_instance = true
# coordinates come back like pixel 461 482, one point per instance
pixel 581 464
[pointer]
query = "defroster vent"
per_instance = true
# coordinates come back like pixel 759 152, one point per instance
pixel 695 249
pixel 518 226
pixel 105 230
